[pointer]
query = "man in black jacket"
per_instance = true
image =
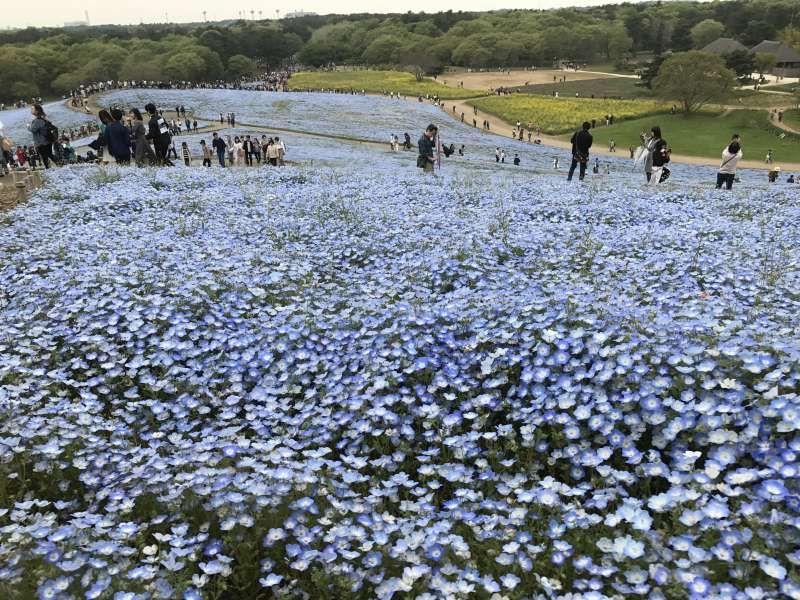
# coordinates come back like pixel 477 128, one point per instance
pixel 426 145
pixel 581 142
pixel 219 145
pixel 158 133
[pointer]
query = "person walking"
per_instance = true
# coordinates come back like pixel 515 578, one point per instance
pixel 581 143
pixel 281 150
pixel 206 153
pixel 44 134
pixel 426 144
pixel 238 151
pixel 119 139
pixel 186 153
pixel 272 154
pixel 158 134
pixel 219 146
pixel 731 155
pixel 141 147
pixel 248 151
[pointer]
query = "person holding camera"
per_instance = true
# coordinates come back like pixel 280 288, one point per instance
pixel 731 155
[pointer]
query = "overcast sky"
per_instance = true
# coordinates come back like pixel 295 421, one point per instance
pixel 57 12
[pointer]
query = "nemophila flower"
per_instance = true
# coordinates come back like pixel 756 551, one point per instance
pixel 361 379
pixel 270 580
pixel 772 567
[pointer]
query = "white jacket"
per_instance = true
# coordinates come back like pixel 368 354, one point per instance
pixel 729 161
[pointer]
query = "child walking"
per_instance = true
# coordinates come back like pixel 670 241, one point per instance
pixel 187 156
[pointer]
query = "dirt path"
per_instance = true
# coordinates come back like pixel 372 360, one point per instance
pixel 487 80
pixel 782 124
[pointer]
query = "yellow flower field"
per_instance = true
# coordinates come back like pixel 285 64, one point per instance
pixel 376 82
pixel 560 115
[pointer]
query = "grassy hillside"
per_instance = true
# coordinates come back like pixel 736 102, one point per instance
pixel 375 82
pixel 706 135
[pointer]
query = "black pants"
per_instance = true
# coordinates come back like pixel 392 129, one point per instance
pixel 582 172
pixel 46 154
pixel 206 162
pixel 161 154
pixel 187 162
pixel 726 178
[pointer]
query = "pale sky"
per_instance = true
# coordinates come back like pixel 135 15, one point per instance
pixel 56 12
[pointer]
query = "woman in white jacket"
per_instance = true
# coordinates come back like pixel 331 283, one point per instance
pixel 731 155
pixel 238 151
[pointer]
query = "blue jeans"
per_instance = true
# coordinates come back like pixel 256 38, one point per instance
pixel 221 157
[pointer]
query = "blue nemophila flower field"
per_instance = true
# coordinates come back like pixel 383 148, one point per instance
pixel 291 383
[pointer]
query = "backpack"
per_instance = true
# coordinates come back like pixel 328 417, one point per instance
pixel 163 130
pixel 50 132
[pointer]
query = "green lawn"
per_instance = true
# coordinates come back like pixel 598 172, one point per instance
pixel 607 87
pixel 749 98
pixel 785 87
pixel 376 82
pixel 706 135
pixel 792 118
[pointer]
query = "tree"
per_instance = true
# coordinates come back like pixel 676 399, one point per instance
pixel 240 66
pixel 693 78
pixel 185 66
pixel 618 42
pixel 706 32
pixel 790 35
pixel 382 51
pixel 764 63
pixel 740 62
pixel 650 71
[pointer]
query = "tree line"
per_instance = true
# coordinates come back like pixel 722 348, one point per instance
pixel 47 61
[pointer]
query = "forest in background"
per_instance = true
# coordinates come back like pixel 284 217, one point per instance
pixel 52 61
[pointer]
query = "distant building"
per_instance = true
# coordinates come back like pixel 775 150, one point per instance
pixel 84 23
pixel 724 46
pixel 787 63
pixel 298 14
pixel 787 59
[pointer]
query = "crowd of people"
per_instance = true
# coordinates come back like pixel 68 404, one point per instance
pixel 128 136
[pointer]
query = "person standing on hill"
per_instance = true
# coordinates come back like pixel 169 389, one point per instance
pixel 731 155
pixel 43 136
pixel 426 145
pixel 119 139
pixel 142 147
pixel 158 133
pixel 581 143
pixel 658 155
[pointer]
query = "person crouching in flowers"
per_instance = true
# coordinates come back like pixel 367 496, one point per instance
pixel 426 145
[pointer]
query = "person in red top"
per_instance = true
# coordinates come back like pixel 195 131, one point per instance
pixel 21 156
